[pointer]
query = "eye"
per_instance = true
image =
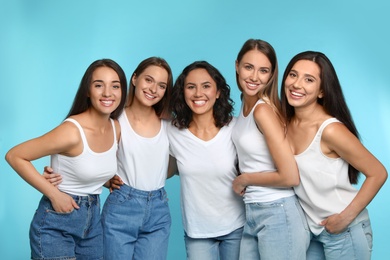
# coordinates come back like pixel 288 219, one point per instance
pixel 190 87
pixel 264 71
pixel 206 86
pixel 310 80
pixel 116 86
pixel 149 80
pixel 248 67
pixel 292 75
pixel 163 86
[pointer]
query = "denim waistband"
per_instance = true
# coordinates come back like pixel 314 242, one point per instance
pixel 361 217
pixel 142 193
pixel 88 198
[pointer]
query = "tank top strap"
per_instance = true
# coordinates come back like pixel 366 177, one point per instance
pixel 326 123
pixel 82 134
pixel 114 129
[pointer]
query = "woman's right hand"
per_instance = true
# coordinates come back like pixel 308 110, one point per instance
pixel 54 178
pixel 115 183
pixel 63 203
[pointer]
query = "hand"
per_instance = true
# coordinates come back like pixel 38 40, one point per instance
pixel 54 178
pixel 335 224
pixel 115 183
pixel 238 186
pixel 63 203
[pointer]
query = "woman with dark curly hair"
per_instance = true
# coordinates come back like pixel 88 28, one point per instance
pixel 200 140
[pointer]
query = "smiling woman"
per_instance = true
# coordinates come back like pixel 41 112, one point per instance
pixel 200 141
pixel 84 149
pixel 330 156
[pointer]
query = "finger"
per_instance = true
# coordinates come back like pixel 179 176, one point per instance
pixel 74 204
pixel 48 169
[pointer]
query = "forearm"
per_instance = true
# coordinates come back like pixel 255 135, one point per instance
pixel 268 179
pixel 367 192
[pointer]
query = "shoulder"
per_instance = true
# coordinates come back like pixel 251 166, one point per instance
pixel 336 133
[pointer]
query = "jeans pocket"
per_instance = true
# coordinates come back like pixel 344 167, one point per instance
pixel 117 197
pixel 366 225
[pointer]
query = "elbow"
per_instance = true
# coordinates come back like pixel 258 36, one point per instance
pixel 9 157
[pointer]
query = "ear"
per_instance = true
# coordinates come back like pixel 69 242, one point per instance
pixel 321 94
pixel 236 66
pixel 133 79
pixel 218 93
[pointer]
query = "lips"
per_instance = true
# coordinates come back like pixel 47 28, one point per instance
pixel 296 94
pixel 251 86
pixel 199 102
pixel 107 103
pixel 149 96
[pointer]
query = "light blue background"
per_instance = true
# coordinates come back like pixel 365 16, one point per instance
pixel 45 47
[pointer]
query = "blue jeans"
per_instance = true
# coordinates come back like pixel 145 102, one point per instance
pixel 136 224
pixel 225 247
pixel 275 230
pixel 355 243
pixel 77 234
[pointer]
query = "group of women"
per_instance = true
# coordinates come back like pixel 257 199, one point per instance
pixel 275 182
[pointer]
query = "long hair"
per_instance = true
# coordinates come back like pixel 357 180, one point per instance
pixel 333 100
pixel 270 92
pixel 82 101
pixel 222 109
pixel 161 107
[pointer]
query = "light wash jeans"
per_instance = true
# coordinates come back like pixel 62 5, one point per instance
pixel 136 224
pixel 355 243
pixel 275 230
pixel 226 247
pixel 61 236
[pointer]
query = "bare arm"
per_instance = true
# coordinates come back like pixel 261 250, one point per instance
pixel 338 139
pixel 59 140
pixel 172 167
pixel 287 174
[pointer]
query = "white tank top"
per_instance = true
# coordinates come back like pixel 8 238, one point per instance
pixel 254 156
pixel 86 173
pixel 142 161
pixel 210 208
pixel 324 189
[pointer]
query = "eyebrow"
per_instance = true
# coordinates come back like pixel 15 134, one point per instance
pixel 99 80
pixel 202 83
pixel 304 74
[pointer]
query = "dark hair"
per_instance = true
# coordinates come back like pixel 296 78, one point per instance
pixel 333 100
pixel 82 101
pixel 162 107
pixel 223 107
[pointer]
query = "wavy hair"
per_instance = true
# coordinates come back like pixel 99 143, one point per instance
pixel 222 109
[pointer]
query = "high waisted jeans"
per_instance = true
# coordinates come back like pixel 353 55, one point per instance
pixel 275 230
pixel 77 234
pixel 136 224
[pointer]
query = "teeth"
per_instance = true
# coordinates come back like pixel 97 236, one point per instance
pixel 252 85
pixel 296 94
pixel 149 96
pixel 107 102
pixel 200 102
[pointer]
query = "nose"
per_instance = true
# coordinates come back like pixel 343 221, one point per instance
pixel 153 88
pixel 106 92
pixel 254 75
pixel 198 92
